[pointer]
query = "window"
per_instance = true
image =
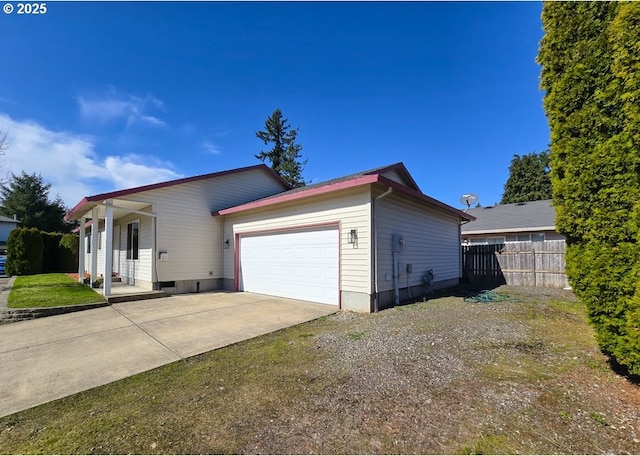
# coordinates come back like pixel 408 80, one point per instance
pixel 534 237
pixel 99 240
pixel 133 250
pixel 88 242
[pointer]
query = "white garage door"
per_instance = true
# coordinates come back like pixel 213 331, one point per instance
pixel 300 265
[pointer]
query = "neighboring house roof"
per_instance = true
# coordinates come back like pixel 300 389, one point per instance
pixel 8 219
pixel 86 203
pixel 368 177
pixel 516 217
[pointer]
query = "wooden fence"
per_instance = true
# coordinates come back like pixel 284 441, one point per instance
pixel 534 264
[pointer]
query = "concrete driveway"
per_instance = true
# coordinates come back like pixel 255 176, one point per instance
pixel 49 358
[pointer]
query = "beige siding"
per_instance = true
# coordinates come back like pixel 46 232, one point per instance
pixel 351 208
pixel 431 241
pixel 186 230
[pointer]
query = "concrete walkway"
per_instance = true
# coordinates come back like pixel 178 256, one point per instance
pixel 49 358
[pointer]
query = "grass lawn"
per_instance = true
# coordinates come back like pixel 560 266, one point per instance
pixel 437 377
pixel 50 290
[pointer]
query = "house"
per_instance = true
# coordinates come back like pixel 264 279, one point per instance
pixel 7 225
pixel 530 221
pixel 359 242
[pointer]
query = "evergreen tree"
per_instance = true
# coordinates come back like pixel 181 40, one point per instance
pixel 27 197
pixel 285 155
pixel 591 78
pixel 528 179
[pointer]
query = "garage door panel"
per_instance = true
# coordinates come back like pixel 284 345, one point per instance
pixel 300 265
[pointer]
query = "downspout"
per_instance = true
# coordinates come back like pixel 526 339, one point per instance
pixel 396 278
pixel 375 248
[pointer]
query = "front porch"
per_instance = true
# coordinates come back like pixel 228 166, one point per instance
pixel 110 246
pixel 124 292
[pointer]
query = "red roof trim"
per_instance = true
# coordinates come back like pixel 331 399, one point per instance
pixel 184 180
pixel 75 208
pixel 364 180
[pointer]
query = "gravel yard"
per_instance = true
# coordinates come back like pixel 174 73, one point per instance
pixel 437 377
pixel 447 376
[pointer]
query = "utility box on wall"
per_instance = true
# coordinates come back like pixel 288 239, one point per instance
pixel 397 241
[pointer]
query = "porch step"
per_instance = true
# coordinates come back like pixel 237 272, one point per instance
pixel 113 299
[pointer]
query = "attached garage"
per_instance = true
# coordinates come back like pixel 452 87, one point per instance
pixel 299 264
pixel 332 242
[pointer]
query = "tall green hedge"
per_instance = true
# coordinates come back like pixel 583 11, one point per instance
pixel 24 252
pixel 68 253
pixel 51 252
pixel 590 57
pixel 30 251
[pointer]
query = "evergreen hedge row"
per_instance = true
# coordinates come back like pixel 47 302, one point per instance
pixel 30 251
pixel 24 252
pixel 590 61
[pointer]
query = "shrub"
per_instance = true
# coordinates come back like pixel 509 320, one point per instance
pixel 51 252
pixel 68 257
pixel 591 78
pixel 24 252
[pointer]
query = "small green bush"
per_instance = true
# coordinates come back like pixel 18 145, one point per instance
pixel 24 252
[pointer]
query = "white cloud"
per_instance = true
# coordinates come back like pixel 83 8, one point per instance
pixel 134 170
pixel 70 163
pixel 210 148
pixel 116 105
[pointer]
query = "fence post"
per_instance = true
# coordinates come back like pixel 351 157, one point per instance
pixel 533 265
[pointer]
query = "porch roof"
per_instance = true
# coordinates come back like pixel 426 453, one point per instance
pixel 120 208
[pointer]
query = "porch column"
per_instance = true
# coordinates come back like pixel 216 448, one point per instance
pixel 95 225
pixel 81 249
pixel 108 248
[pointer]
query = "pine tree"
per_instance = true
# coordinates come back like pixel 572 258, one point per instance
pixel 285 155
pixel 27 197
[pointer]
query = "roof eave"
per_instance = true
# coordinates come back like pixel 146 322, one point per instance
pixel 421 196
pixel 144 188
pixel 405 172
pixel 73 212
pixel 364 180
pixel 511 230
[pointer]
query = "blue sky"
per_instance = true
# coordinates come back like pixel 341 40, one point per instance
pixel 98 96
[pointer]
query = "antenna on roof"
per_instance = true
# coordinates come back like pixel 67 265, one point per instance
pixel 468 199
